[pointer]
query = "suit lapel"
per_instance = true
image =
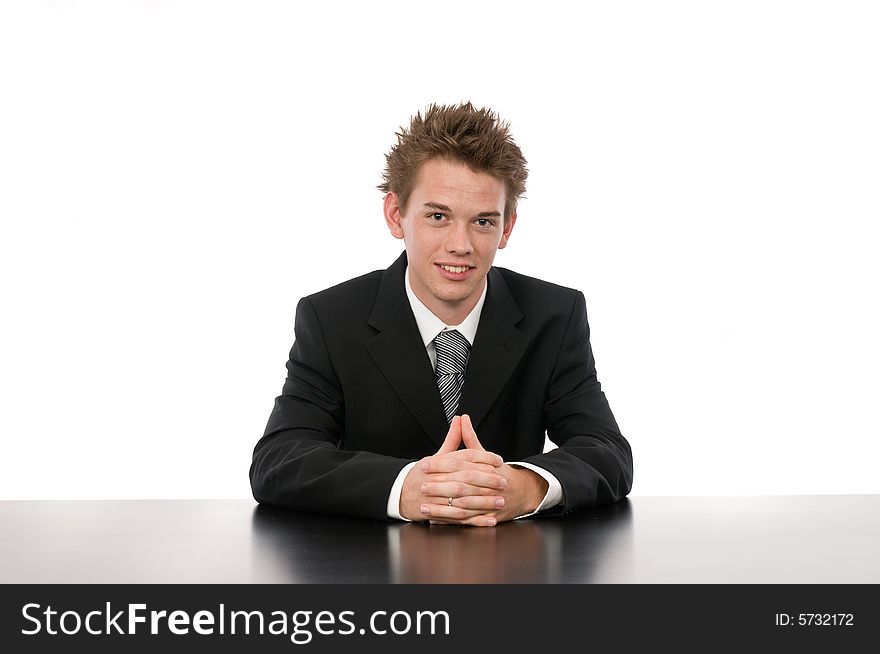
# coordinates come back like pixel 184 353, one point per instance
pixel 399 353
pixel 498 347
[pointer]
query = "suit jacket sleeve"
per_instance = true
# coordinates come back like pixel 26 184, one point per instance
pixel 299 463
pixel 593 461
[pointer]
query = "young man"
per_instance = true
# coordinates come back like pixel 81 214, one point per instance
pixel 424 391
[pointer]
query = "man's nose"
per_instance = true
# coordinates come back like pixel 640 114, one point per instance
pixel 458 239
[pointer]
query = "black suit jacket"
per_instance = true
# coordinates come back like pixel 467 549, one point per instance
pixel 361 400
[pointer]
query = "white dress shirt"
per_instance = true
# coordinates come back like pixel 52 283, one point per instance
pixel 429 326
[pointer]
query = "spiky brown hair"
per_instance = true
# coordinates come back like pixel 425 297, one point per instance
pixel 474 137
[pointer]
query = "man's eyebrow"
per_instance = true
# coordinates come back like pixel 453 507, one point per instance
pixel 439 207
pixel 443 207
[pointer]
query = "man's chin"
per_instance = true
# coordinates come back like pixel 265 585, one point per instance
pixel 454 296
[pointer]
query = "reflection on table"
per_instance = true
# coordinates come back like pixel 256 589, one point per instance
pixel 307 548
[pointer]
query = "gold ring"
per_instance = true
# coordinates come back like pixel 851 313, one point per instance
pixel 449 501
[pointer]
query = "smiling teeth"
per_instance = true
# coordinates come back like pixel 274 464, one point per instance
pixel 455 269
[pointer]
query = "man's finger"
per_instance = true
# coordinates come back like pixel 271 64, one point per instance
pixel 461 460
pixel 461 469
pixel 453 437
pixel 479 484
pixel 482 503
pixel 482 520
pixel 468 435
pixel 443 513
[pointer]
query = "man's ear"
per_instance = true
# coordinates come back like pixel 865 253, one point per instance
pixel 508 227
pixel 393 215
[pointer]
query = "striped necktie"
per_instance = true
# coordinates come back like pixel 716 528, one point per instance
pixel 452 355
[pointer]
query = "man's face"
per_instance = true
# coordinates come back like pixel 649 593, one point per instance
pixel 452 226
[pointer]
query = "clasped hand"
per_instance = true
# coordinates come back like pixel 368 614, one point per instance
pixel 468 486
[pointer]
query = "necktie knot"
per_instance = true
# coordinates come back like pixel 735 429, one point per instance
pixel 452 352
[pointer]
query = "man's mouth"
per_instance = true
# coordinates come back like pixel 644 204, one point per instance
pixel 455 273
pixel 454 269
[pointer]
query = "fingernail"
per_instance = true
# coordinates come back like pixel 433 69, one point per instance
pixel 491 522
pixel 425 467
pixel 503 483
pixel 425 509
pixel 499 502
pixel 424 489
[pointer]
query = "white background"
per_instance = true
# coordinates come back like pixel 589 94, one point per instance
pixel 174 176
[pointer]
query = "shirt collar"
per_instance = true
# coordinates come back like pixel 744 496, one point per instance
pixel 430 325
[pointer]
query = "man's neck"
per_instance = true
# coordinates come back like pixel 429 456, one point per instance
pixel 451 313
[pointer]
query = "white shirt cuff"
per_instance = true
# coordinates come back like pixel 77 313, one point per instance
pixel 394 497
pixel 554 488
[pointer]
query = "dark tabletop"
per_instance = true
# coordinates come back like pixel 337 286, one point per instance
pixel 775 539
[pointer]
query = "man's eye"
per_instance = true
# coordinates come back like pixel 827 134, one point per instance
pixel 485 222
pixel 437 217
